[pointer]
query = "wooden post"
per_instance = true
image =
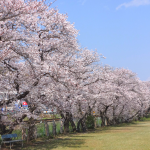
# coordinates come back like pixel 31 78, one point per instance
pixel 54 128
pixel 35 132
pixel 23 133
pixel 100 122
pixel 105 122
pixel 61 126
pixel 46 129
pixel 27 136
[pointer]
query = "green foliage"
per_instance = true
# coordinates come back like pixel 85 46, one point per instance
pixel 18 132
pixel 148 116
pixel 98 121
pixel 40 130
pixel 90 122
pixel 145 118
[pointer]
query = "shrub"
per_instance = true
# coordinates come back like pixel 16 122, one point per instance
pixel 90 122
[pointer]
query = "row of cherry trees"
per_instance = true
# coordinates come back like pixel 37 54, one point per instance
pixel 41 61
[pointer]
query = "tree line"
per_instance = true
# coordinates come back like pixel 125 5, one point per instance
pixel 42 61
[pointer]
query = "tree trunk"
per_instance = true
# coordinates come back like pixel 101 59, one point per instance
pixel 3 129
pixel 31 130
pixel 108 121
pixel 66 124
pixel 78 125
pixel 72 123
pixel 83 125
pixel 102 119
pixel 68 118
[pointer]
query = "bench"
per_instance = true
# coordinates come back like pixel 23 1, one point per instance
pixel 10 136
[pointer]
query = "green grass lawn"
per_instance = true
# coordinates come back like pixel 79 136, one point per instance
pixel 133 136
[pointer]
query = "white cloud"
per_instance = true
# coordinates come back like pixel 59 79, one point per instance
pixel 134 3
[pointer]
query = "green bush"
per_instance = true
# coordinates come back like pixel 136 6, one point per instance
pixel 90 122
pixel 148 116
pixel 145 119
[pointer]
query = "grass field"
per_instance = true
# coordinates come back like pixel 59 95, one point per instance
pixel 133 136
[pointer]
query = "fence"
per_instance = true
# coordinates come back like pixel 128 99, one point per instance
pixel 47 127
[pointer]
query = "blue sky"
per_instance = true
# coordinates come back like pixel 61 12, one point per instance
pixel 118 29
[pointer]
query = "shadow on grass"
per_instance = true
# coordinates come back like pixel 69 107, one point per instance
pixel 69 141
pixel 82 136
pixel 54 143
pixel 115 127
pixel 125 124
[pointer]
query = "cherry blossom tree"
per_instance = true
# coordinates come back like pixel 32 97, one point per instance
pixel 34 40
pixel 14 31
pixel 121 96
